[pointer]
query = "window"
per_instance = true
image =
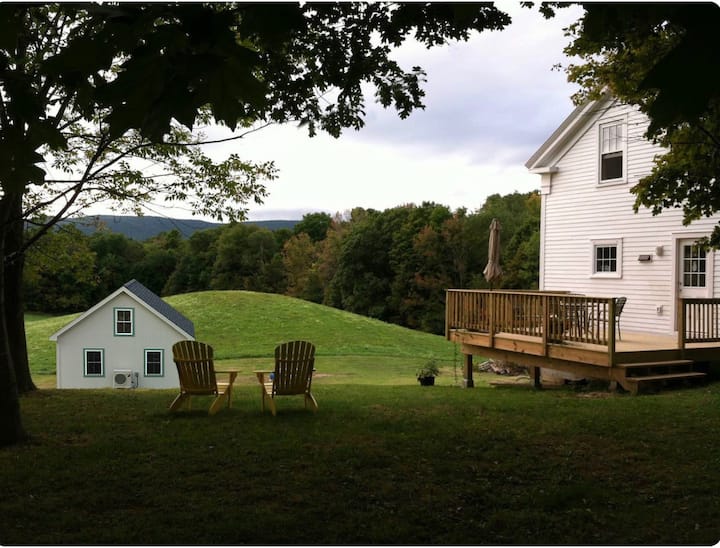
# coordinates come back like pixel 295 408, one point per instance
pixel 607 258
pixel 694 266
pixel 124 321
pixel 154 363
pixel 612 152
pixel 94 362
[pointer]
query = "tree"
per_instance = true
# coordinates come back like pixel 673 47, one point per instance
pixel 300 261
pixel 315 225
pixel 662 57
pixel 126 78
pixel 193 271
pixel 60 274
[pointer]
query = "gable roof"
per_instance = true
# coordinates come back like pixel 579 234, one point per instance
pixel 147 298
pixel 567 133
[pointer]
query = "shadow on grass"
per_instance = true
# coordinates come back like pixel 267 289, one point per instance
pixel 375 465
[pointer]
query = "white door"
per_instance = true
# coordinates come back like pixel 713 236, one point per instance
pixel 693 271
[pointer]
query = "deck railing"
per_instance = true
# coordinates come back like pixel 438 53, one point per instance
pixel 698 321
pixel 555 317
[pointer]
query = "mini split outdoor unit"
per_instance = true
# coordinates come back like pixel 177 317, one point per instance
pixel 124 378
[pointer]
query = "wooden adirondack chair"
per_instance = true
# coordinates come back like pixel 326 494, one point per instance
pixel 194 361
pixel 294 366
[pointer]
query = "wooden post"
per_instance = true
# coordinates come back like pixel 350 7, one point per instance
pixel 447 314
pixel 681 321
pixel 611 332
pixel 545 323
pixel 535 379
pixel 491 317
pixel 468 372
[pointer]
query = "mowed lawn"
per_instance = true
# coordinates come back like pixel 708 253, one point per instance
pixel 384 461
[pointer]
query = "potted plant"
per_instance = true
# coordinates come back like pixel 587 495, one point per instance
pixel 426 374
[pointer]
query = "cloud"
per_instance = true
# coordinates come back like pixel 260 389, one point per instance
pixel 490 103
pixel 493 97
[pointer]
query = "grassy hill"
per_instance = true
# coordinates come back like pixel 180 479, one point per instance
pixel 244 328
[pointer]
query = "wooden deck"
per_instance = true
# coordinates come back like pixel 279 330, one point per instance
pixel 573 334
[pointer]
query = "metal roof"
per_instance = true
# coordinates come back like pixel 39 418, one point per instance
pixel 160 306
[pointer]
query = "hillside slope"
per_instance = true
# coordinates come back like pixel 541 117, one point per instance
pixel 142 228
pixel 244 324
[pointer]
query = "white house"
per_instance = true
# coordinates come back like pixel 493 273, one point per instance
pixel 591 240
pixel 123 341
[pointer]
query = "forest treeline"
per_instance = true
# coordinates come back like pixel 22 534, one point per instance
pixel 393 265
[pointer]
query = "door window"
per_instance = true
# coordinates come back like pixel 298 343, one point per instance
pixel 694 266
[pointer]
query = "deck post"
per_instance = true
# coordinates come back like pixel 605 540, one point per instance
pixel 491 317
pixel 468 371
pixel 535 378
pixel 447 314
pixel 611 332
pixel 681 323
pixel 545 323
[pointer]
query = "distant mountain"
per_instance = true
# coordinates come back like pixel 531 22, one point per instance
pixel 142 228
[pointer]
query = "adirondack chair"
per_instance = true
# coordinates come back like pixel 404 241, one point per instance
pixel 194 361
pixel 294 366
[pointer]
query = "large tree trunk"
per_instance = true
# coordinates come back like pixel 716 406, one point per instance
pixel 14 309
pixel 11 428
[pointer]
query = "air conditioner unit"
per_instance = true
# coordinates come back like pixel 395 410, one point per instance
pixel 124 378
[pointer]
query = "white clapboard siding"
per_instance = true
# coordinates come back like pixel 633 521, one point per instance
pixel 578 210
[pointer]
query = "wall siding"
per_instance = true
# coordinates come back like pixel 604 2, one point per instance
pixel 578 210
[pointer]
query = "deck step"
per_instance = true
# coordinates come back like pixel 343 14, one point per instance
pixel 667 377
pixel 636 384
pixel 642 365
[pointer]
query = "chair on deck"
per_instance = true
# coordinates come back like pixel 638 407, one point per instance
pixel 196 370
pixel 619 305
pixel 294 366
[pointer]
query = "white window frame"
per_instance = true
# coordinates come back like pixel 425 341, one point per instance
pixel 162 362
pixel 116 321
pixel 85 362
pixel 617 243
pixel 618 146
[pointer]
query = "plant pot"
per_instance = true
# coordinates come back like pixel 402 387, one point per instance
pixel 427 381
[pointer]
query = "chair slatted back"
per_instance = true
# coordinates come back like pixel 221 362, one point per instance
pixel 619 305
pixel 294 363
pixel 194 361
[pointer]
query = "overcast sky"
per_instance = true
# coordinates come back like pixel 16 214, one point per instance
pixel 490 103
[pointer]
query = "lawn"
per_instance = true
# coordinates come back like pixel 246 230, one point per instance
pixel 384 461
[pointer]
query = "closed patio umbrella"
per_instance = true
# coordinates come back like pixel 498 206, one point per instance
pixel 493 271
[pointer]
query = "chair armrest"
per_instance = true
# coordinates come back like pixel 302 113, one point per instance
pixel 232 374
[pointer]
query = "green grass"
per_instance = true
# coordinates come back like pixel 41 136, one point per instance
pixel 244 328
pixel 382 462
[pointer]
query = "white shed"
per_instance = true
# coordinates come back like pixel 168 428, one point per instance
pixel 124 341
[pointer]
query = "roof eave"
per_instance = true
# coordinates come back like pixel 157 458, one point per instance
pixel 544 158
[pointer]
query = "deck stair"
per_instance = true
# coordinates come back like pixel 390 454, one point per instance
pixel 642 376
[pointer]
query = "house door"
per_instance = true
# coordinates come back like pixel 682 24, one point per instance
pixel 694 272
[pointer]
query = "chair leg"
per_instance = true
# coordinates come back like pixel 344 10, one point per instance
pixel 217 404
pixel 313 402
pixel 273 407
pixel 178 401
